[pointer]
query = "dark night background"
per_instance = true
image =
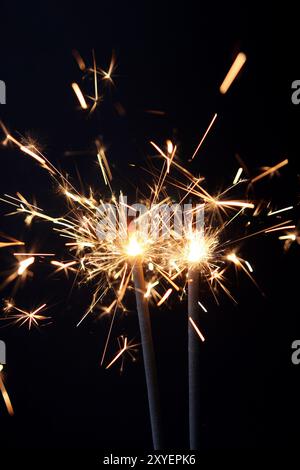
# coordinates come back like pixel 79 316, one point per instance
pixel 172 58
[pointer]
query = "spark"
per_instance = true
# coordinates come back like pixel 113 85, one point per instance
pixel 127 347
pixel 6 244
pixel 107 75
pixel 34 254
pixel 242 204
pixel 96 98
pixel 156 112
pixel 79 60
pixel 23 265
pixel 170 147
pixel 275 229
pixel 5 395
pixel 107 175
pixel 118 355
pixel 232 257
pixel 23 317
pixel 205 134
pixel 110 308
pixel 164 297
pixel 150 286
pixel 107 263
pixel 270 170
pixel 291 236
pixel 281 210
pixel 238 175
pixel 196 329
pixel 249 266
pixel 32 152
pixel 239 264
pixel 202 306
pixel 79 95
pixel 235 68
pixel 66 267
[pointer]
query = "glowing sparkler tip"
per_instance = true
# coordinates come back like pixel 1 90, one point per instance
pixel 197 251
pixel 199 248
pixel 134 247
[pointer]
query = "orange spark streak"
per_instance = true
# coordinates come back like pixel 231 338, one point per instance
pixel 23 265
pixel 64 266
pixel 285 227
pixel 196 329
pixel 238 175
pixel 233 72
pixel 149 288
pixel 34 254
pixel 270 170
pixel 5 244
pixel 281 210
pixel 205 134
pixel 107 75
pixel 155 111
pixel 79 95
pixel 118 355
pixel 6 398
pixel 32 154
pixel 202 306
pixel 79 60
pixel 291 236
pixel 235 204
pixel 164 298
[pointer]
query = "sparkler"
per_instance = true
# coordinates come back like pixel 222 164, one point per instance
pixel 155 266
pixel 193 358
pixel 199 251
pixel 148 353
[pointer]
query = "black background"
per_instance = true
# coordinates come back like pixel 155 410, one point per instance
pixel 172 58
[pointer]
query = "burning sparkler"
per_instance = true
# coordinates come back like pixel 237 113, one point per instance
pixel 111 248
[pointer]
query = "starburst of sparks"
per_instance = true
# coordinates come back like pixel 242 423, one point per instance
pixel 107 261
pixel 21 317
